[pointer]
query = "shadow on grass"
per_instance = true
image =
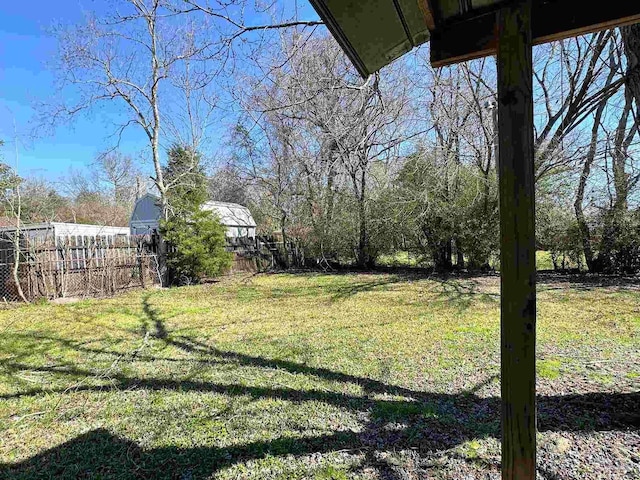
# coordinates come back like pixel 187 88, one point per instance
pixel 458 291
pixel 399 418
pixel 587 282
pixel 462 293
pixel 342 292
pixel 151 314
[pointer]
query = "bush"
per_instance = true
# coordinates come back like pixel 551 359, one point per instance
pixel 619 249
pixel 558 233
pixel 196 247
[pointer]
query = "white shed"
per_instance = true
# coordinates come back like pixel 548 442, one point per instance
pixel 72 232
pixel 236 218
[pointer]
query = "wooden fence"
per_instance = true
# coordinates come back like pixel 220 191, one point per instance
pixel 86 267
pixel 101 266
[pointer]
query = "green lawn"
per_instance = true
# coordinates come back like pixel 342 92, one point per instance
pixel 313 376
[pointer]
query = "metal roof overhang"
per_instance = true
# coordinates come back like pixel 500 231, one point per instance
pixel 373 33
pixel 376 32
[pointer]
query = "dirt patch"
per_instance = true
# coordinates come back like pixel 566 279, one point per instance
pixel 66 300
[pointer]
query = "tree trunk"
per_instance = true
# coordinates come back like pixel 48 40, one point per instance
pixel 328 215
pixel 155 150
pixel 620 176
pixel 442 252
pixel 16 264
pixel 631 39
pixel 613 256
pixel 459 255
pixel 585 232
pixel 363 259
pixel 16 241
pixel 283 228
pixel 447 252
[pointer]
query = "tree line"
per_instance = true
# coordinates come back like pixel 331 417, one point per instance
pixel 103 194
pixel 406 160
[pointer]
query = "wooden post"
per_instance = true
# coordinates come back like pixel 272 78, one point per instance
pixel 517 230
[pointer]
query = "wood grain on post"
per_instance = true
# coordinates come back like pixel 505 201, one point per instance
pixel 517 229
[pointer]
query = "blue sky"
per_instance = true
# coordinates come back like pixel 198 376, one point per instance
pixel 25 51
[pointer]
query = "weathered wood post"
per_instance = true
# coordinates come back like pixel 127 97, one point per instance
pixel 517 229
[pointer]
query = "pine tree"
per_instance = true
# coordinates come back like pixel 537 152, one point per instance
pixel 186 180
pixel 196 237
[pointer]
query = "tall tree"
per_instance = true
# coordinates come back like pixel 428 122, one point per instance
pixel 270 167
pixel 126 59
pixel 11 200
pixel 162 63
pixel 333 127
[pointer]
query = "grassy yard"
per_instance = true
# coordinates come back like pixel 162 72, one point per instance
pixel 313 376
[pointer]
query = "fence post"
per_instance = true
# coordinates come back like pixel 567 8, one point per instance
pixel 141 265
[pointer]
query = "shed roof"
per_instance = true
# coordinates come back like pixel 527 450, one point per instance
pixel 65 228
pixel 231 214
pixel 373 33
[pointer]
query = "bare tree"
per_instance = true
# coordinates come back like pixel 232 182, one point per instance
pixel 458 105
pixel 78 183
pixel 587 165
pixel 452 102
pixel 231 18
pixel 191 112
pixel 336 128
pixel 41 201
pixel 159 60
pixel 227 185
pixel 572 79
pixel 12 202
pixel 120 174
pixel 129 58
pixel 267 164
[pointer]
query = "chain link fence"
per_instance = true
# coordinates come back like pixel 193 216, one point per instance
pixel 75 267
